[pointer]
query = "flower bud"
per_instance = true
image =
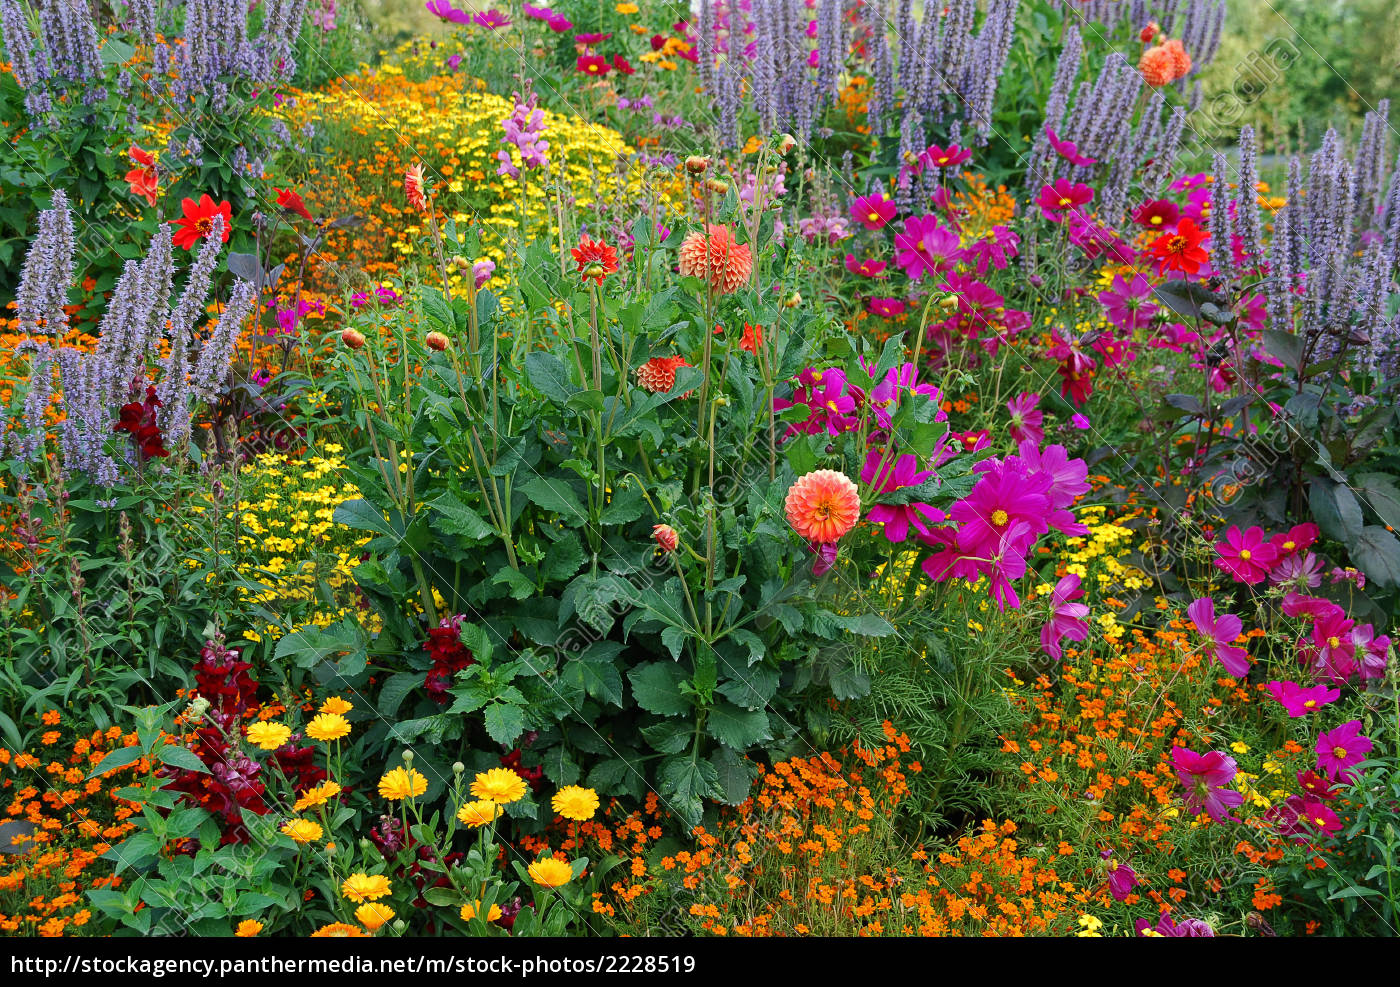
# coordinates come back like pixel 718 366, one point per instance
pixel 436 341
pixel 352 338
pixel 716 185
pixel 697 164
pixel 665 537
pixel 793 300
pixel 785 143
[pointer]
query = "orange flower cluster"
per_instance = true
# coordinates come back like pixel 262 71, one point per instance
pixel 62 822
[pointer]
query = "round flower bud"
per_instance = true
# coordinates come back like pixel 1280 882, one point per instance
pixel 665 537
pixel 785 143
pixel 436 341
pixel 697 164
pixel 352 338
pixel 716 185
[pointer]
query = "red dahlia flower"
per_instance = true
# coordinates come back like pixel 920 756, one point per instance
pixel 198 221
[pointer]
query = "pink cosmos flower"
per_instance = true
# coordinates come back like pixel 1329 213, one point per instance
pixel 1245 555
pixel 444 10
pixel 995 250
pixel 1300 700
pixel 1338 750
pixel 1056 200
pixel 1169 928
pixel 886 308
pixel 1121 876
pixel 872 211
pixel 1067 618
pixel 1158 214
pixel 1127 304
pixel 1221 631
pixel 1204 776
pixel 1302 818
pixel 1068 149
pixel 491 20
pixel 944 157
pixel 926 247
pixel 1296 540
pixel 1026 418
pixel 868 268
pixel 902 473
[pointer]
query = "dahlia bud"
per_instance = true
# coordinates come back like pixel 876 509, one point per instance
pixel 665 537
pixel 461 264
pixel 596 271
pixel 696 164
pixel 1149 32
pixel 352 338
pixel 785 143
pixel 948 301
pixel 716 185
pixel 436 341
pixel 793 300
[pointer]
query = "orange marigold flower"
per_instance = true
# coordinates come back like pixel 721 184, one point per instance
pixel 717 258
pixel 823 505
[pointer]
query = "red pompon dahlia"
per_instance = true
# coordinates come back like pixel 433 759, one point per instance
pixel 716 257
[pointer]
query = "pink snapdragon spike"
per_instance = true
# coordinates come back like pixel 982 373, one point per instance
pixel 903 472
pixel 926 247
pixel 1027 420
pixel 1057 201
pixel 1339 750
pixel 1301 700
pixel 1220 631
pixel 1245 556
pixel 1205 777
pixel 1068 620
pixel 1068 149
pixel 872 211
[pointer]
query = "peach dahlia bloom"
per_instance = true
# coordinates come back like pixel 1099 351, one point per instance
pixel 716 257
pixel 1157 66
pixel 823 505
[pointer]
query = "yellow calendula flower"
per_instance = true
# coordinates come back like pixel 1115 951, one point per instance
pixel 477 814
pixel 626 8
pixel 269 736
pixel 319 795
pixel 500 785
pixel 373 915
pixel 402 783
pixel 328 727
pixel 551 872
pixel 575 802
pixel 248 928
pixel 470 909
pixel 365 887
pixel 302 830
pixel 336 705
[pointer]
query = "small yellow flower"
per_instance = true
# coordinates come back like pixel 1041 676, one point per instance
pixel 365 887
pixel 500 785
pixel 469 911
pixel 327 727
pixel 302 830
pixel 340 930
pixel 402 783
pixel 336 705
pixel 248 928
pixel 477 814
pixel 551 872
pixel 1240 747
pixel 1089 927
pixel 372 915
pixel 269 736
pixel 576 803
pixel 319 795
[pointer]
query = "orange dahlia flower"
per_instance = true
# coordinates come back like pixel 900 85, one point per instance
pixel 822 506
pixel 1158 66
pixel 658 374
pixel 1181 61
pixel 415 187
pixel 717 258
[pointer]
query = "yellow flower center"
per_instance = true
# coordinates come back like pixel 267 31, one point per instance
pixel 874 217
pixel 1000 517
pixel 1064 202
pixel 1309 703
pixel 1156 220
pixel 1245 554
pixel 1334 641
pixel 1339 752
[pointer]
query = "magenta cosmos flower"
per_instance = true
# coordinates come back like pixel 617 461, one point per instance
pixel 944 157
pixel 1168 928
pixel 925 247
pixel 1204 776
pixel 886 308
pixel 867 268
pixel 1026 418
pixel 872 211
pixel 1127 304
pixel 1068 149
pixel 1338 750
pixel 1067 618
pixel 1246 555
pixel 1221 631
pixel 492 19
pixel 1121 876
pixel 445 11
pixel 1300 700
pixel 900 474
pixel 1055 200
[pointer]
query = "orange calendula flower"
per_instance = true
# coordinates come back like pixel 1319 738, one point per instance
pixel 268 736
pixel 327 727
pixel 248 928
pixel 470 909
pixel 372 915
pixel 477 814
pixel 575 802
pixel 365 887
pixel 336 705
pixel 717 258
pixel 551 872
pixel 340 930
pixel 318 795
pixel 823 506
pixel 302 830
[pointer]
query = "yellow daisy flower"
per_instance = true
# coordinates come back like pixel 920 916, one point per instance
pixel 551 872
pixel 365 887
pixel 269 736
pixel 500 785
pixel 575 802
pixel 327 727
pixel 402 783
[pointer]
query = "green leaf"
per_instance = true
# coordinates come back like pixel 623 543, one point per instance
pixel 120 758
pixel 504 723
pixel 1337 510
pixel 554 495
pixel 656 687
pixel 520 586
pixel 1379 494
pixel 182 758
pixel 685 784
pixel 456 518
pixel 625 506
pixel 1377 553
pixel 311 644
pixel 361 515
pixel 548 375
pixel 735 774
pixel 738 728
pixel 564 557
